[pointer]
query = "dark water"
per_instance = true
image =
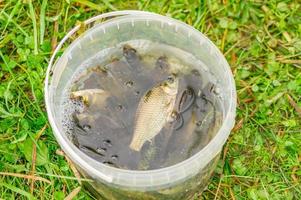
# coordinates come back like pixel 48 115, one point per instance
pixel 102 127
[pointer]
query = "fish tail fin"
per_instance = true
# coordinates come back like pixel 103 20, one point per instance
pixel 136 145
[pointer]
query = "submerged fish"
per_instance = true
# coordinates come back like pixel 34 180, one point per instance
pixel 91 96
pixel 154 110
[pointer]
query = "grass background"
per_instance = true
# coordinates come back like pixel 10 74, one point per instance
pixel 262 42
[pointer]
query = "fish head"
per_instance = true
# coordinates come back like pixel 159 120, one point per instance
pixel 170 86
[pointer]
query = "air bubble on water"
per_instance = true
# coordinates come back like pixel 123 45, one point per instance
pixel 202 110
pixel 205 68
pixel 69 107
pixel 108 163
pixel 89 149
pixel 162 62
pixel 107 143
pixel 74 139
pixel 195 72
pixel 170 79
pixel 120 107
pixel 173 117
pixel 99 133
pixel 86 127
pixel 114 157
pixel 211 87
pixel 199 123
pixel 101 150
pixel 176 120
pixel 137 93
pixel 129 83
pixel 217 90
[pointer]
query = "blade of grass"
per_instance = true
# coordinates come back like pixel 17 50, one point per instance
pixel 25 176
pixel 290 61
pixel 13 12
pixel 6 97
pixel 232 194
pixel 35 104
pixel 17 190
pixel 65 177
pixel 72 166
pixel 34 24
pixel 42 21
pixel 3 9
pixel 33 166
pixel 54 37
pixel 90 5
pixel 38 135
pixel 109 5
pixel 33 92
pixel 5 114
pixel 66 17
pixel 15 23
pixel 34 157
pixel 223 40
pixel 73 193
pixel 218 187
pixel 294 104
pixel 144 5
pixel 266 194
pixel 5 39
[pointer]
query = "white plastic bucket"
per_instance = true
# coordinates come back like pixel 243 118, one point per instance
pixel 179 181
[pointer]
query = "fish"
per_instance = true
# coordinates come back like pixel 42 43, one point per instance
pixel 154 111
pixel 91 96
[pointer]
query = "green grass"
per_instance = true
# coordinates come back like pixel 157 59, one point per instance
pixel 261 41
